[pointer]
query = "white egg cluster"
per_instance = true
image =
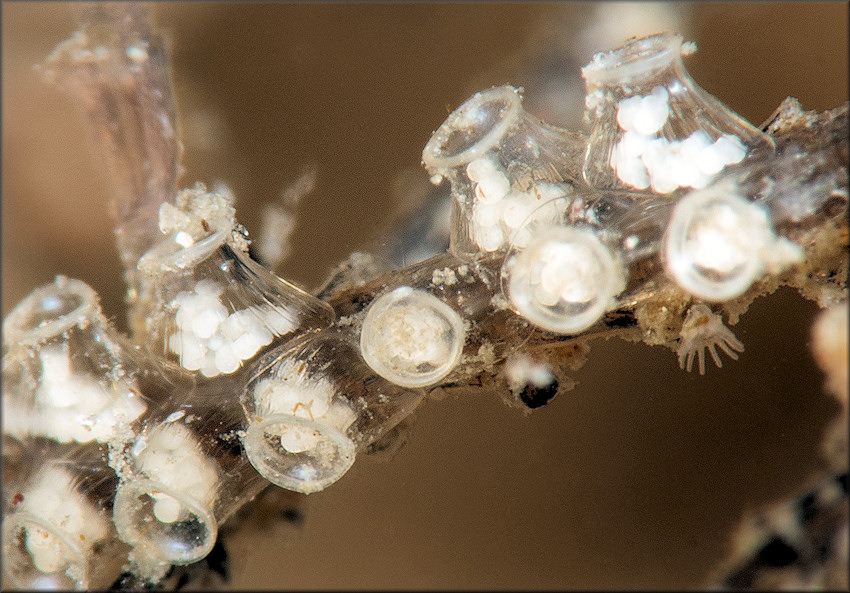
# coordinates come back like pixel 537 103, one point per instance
pixel 644 158
pixel 66 526
pixel 170 456
pixel 497 211
pixel 292 392
pixel 214 341
pixel 71 406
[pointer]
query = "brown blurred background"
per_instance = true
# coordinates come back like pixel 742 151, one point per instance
pixel 635 478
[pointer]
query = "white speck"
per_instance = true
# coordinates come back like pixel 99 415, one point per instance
pixel 480 169
pixel 208 367
pixel 296 439
pixel 246 345
pixel 281 320
pixel 138 447
pixel 521 370
pixel 137 54
pixel 492 183
pixel 184 239
pixel 730 149
pixel 594 100
pixel 486 214
pixel 444 277
pixel 517 208
pixel 174 416
pixel 205 324
pixel 488 238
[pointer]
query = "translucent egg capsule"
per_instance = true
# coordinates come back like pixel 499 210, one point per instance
pixel 164 509
pixel 652 127
pixel 212 308
pixel 496 157
pixel 718 243
pixel 57 528
pixel 312 404
pixel 181 476
pixel 572 255
pixel 411 337
pixel 563 280
pixel 67 375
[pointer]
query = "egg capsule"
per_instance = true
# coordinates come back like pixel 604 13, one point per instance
pixel 58 533
pixel 182 474
pixel 411 337
pixel 563 280
pixel 494 154
pixel 212 308
pixel 718 243
pixel 67 374
pixel 573 254
pixel 652 127
pixel 164 508
pixel 311 405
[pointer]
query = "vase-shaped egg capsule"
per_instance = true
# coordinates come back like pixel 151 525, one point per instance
pixel 57 525
pixel 311 405
pixel 212 308
pixel 411 337
pixel 498 159
pixel 181 476
pixel 718 243
pixel 67 375
pixel 563 269
pixel 652 127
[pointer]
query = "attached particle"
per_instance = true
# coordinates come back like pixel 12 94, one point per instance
pixel 444 277
pixel 137 53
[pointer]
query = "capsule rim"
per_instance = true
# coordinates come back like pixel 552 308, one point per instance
pixel 15 520
pixel 383 304
pixel 524 305
pixel 431 155
pixel 168 255
pixel 256 450
pixel 635 58
pixel 680 267
pixel 130 490
pixel 18 330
